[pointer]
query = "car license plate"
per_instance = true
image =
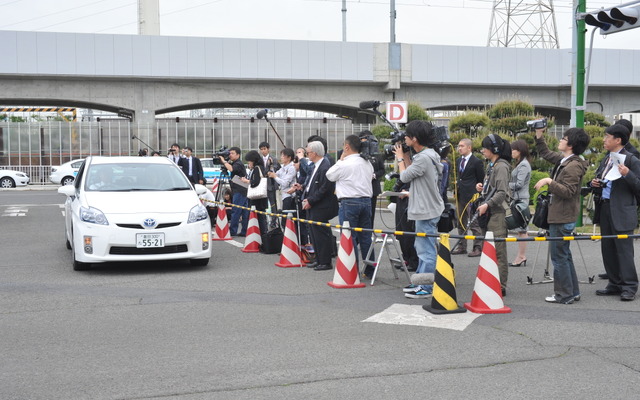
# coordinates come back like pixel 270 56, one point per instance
pixel 149 240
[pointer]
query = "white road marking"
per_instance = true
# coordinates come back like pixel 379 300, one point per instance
pixel 404 314
pixel 15 211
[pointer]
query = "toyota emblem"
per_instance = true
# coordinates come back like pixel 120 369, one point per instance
pixel 149 223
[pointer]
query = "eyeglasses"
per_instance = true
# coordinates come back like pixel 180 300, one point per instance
pixel 565 139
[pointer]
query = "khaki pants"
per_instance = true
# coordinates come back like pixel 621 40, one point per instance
pixel 498 226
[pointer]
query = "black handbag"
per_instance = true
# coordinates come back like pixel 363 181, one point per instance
pixel 520 215
pixel 272 241
pixel 542 210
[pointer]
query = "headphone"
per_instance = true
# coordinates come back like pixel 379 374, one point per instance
pixel 494 143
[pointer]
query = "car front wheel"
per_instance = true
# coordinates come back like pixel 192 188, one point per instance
pixel 77 265
pixel 7 182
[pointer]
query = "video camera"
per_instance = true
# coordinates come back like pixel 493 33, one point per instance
pixel 368 147
pixel 223 152
pixel 537 123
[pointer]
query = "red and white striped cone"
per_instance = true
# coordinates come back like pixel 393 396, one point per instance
pixel 253 240
pixel 214 185
pixel 487 293
pixel 346 272
pixel 222 225
pixel 290 252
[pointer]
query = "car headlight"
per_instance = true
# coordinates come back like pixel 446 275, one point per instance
pixel 93 216
pixel 197 213
pixel 21 174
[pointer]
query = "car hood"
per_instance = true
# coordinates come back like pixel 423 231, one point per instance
pixel 139 202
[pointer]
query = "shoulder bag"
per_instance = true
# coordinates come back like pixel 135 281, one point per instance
pixel 542 210
pixel 260 191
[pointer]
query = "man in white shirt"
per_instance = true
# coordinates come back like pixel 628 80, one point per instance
pixel 352 175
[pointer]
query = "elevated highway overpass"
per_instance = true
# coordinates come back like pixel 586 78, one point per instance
pixel 150 75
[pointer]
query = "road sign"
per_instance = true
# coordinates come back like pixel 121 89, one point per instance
pixel 398 111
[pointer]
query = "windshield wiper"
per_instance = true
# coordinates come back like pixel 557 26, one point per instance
pixel 180 188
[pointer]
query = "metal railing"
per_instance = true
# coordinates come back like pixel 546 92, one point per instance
pixel 33 147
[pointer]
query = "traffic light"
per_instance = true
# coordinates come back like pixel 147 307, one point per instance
pixel 615 19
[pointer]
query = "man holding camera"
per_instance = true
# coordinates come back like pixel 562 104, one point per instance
pixel 192 167
pixel 174 153
pixel 424 172
pixel 352 175
pixel 236 168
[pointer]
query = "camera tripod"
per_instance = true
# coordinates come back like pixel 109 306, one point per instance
pixel 546 277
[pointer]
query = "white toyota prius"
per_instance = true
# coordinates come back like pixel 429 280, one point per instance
pixel 134 209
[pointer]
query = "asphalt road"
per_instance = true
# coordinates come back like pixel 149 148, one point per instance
pixel 242 328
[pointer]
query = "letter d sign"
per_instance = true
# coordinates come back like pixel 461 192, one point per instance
pixel 397 111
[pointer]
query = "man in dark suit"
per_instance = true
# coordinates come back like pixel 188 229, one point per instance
pixel 321 204
pixel 618 214
pixel 470 172
pixel 191 166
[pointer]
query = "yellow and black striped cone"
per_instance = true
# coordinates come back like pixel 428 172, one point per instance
pixel 444 299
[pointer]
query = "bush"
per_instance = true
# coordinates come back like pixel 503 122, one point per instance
pixel 469 123
pixel 535 177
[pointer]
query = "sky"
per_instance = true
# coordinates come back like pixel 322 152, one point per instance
pixel 441 22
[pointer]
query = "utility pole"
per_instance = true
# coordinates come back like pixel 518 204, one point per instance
pixel 392 24
pixel 148 17
pixel 577 84
pixel 344 20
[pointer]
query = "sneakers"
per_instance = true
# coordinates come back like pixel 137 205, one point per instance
pixel 420 294
pixel 554 299
pixel 411 288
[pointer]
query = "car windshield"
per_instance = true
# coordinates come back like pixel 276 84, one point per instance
pixel 135 176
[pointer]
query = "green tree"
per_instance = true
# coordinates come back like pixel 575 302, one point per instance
pixel 591 118
pixel 469 123
pixel 511 116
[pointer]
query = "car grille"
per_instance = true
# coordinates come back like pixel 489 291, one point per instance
pixel 132 251
pixel 138 226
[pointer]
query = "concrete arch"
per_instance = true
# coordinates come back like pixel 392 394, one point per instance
pixel 44 102
pixel 331 108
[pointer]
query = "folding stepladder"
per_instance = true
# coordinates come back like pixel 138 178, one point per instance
pixel 388 242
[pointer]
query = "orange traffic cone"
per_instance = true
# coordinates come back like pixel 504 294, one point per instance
pixel 346 273
pixel 214 185
pixel 222 225
pixel 487 293
pixel 290 253
pixel 253 240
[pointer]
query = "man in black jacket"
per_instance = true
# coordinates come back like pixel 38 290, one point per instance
pixel 321 204
pixel 470 172
pixel 191 166
pixel 618 214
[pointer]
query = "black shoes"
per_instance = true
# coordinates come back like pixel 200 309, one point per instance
pixel 627 297
pixel 522 263
pixel 323 267
pixel 312 264
pixel 607 292
pixel 603 276
pixel 459 250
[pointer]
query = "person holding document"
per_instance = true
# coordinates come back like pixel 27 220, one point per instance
pixel 617 209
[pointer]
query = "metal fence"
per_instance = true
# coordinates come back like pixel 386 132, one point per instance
pixel 34 147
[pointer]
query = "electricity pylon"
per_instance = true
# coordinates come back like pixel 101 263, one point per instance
pixel 521 23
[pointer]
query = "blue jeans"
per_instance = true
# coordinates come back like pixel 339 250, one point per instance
pixel 565 280
pixel 426 247
pixel 358 213
pixel 240 200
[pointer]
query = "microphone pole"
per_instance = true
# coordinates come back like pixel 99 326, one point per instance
pixel 263 114
pixel 141 141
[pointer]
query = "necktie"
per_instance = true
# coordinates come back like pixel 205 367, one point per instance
pixel 607 168
pixel 307 182
pixel 462 163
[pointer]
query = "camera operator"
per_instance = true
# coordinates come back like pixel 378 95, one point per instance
pixel 425 203
pixel 174 153
pixel 377 161
pixel 237 168
pixel 352 175
pixel 270 165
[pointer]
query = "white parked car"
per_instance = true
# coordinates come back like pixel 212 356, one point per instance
pixel 134 209
pixel 11 179
pixel 66 173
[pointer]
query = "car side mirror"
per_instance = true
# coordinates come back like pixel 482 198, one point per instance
pixel 67 190
pixel 200 189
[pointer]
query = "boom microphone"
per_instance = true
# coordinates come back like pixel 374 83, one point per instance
pixel 262 113
pixel 369 104
pixel 422 279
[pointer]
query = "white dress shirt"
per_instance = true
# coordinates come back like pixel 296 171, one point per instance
pixel 352 176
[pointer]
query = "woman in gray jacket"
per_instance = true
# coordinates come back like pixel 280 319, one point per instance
pixel 519 185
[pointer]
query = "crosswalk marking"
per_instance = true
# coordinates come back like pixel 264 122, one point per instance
pixel 15 211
